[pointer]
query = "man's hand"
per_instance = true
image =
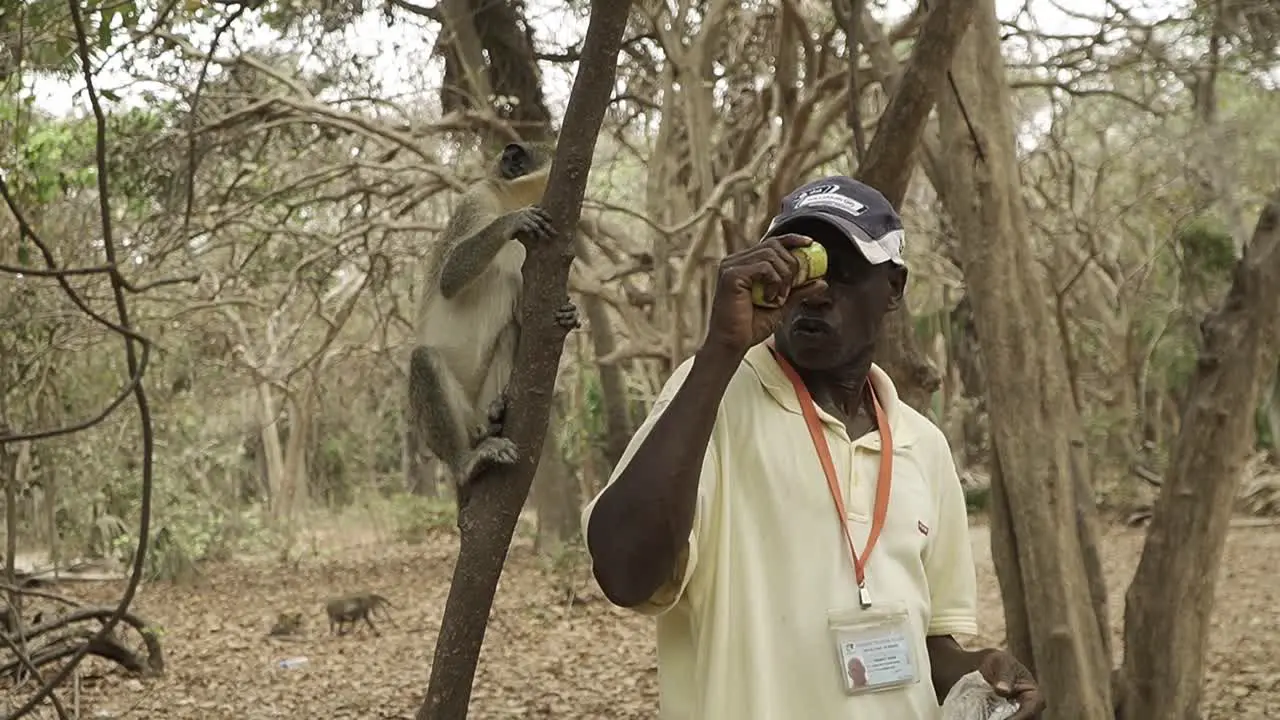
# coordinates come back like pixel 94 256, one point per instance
pixel 1013 681
pixel 736 324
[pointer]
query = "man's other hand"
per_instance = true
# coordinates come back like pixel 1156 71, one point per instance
pixel 1013 681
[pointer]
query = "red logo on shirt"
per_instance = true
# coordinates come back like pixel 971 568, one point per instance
pixel 924 529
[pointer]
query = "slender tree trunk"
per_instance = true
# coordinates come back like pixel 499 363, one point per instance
pixel 1273 417
pixel 1172 594
pixel 272 450
pixel 1035 435
pixel 888 168
pixel 488 520
pixel 555 490
pixel 613 385
pixel 1004 553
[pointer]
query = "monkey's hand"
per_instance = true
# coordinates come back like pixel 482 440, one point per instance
pixel 531 224
pixel 567 316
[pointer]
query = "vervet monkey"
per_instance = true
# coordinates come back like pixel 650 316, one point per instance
pixel 468 320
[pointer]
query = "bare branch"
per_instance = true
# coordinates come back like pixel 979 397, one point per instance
pixel 136 367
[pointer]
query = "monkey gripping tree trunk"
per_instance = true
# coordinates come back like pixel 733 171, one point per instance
pixel 488 520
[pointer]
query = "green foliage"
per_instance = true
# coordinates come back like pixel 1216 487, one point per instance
pixel 54 159
pixel 329 16
pixel 1265 433
pixel 50 37
pixel 1208 250
pixel 585 426
pixel 188 532
pixel 414 518
pixel 977 499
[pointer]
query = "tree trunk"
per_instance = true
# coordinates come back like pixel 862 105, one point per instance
pixel 1172 594
pixel 487 518
pixel 1036 436
pixel 1273 417
pixel 272 450
pixel 555 491
pixel 613 384
pixel 888 168
pixel 1004 554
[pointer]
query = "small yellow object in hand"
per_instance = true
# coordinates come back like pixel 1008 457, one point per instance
pixel 813 265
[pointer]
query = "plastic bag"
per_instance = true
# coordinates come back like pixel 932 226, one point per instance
pixel 972 698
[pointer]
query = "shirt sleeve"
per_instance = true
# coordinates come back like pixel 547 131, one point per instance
pixel 672 590
pixel 953 584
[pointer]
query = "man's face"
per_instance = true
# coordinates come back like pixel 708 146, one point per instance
pixel 839 325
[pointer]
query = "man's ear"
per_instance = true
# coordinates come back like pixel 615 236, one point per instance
pixel 897 285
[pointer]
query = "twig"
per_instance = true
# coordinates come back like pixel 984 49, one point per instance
pixel 136 367
pixel 25 661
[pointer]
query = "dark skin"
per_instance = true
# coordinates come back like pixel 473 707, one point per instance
pixel 827 330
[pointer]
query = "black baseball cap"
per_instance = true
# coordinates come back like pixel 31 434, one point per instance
pixel 856 209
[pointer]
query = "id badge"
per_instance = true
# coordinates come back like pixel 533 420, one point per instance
pixel 874 647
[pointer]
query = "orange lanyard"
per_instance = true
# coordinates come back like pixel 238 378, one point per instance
pixel 883 483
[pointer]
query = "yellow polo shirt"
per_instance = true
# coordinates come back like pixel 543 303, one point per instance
pixel 742 627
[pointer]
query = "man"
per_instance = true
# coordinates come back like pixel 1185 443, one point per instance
pixel 755 515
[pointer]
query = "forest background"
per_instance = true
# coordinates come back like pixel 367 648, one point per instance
pixel 1083 185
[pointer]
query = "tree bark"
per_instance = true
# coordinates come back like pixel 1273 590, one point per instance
pixel 1004 553
pixel 888 167
pixel 1273 416
pixel 1172 594
pixel 1036 436
pixel 488 518
pixel 613 383
pixel 556 495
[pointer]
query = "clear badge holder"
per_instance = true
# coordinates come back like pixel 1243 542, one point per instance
pixel 874 648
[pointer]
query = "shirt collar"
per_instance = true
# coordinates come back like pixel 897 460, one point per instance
pixel 775 382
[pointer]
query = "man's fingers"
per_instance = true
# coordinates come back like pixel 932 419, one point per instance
pixel 809 289
pixel 768 251
pixel 783 263
pixel 761 270
pixel 1030 704
pixel 792 240
pixel 1025 685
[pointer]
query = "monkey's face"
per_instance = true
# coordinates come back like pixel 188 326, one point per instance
pixel 520 159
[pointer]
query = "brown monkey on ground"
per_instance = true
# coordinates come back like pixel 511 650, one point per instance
pixel 354 607
pixel 468 320
pixel 287 623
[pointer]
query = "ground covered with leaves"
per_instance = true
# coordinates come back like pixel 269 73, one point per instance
pixel 555 648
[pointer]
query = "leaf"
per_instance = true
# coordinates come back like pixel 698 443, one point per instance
pixel 104 27
pixel 109 94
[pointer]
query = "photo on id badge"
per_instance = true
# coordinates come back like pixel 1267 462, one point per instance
pixel 874 648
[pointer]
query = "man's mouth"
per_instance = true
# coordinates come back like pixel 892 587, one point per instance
pixel 809 326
